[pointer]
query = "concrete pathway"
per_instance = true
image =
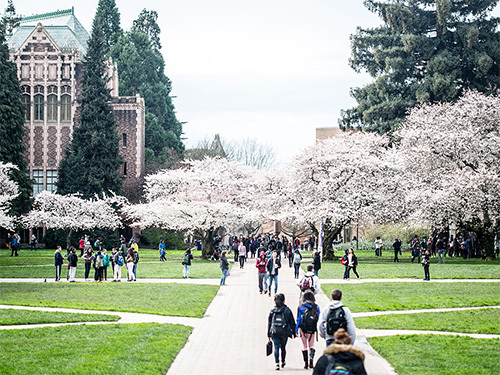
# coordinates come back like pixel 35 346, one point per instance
pixel 232 336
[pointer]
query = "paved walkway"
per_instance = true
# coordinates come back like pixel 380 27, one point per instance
pixel 231 338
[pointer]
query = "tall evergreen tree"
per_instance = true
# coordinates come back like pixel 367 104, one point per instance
pixel 426 51
pixel 141 70
pixel 110 18
pixel 12 126
pixel 10 20
pixel 92 162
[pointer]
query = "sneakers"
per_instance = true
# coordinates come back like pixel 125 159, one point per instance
pixel 283 364
pixel 277 366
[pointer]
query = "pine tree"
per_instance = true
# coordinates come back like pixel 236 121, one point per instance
pixel 91 163
pixel 10 20
pixel 110 18
pixel 141 70
pixel 425 52
pixel 12 126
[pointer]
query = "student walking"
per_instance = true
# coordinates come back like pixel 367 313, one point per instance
pixel 88 258
pixel 242 252
pixel 297 258
pixel 272 267
pixel 397 249
pixel 280 327
pixel 118 263
pixel 261 272
pixel 334 316
pixel 426 261
pixel 316 261
pixel 350 263
pixel 224 266
pixel 307 326
pixel 309 282
pixel 186 262
pixel 130 265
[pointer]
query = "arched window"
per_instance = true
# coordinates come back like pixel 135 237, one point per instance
pixel 52 103
pixel 66 103
pixel 38 103
pixel 26 100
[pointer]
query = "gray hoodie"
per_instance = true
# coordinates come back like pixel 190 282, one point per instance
pixel 351 328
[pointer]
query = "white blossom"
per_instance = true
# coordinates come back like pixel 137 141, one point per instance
pixel 8 192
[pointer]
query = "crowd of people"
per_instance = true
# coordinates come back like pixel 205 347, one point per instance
pixel 96 257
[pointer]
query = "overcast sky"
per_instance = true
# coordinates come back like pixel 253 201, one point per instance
pixel 274 70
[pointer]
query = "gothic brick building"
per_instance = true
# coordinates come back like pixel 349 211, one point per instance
pixel 48 50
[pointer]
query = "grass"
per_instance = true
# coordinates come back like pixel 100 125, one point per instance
pixel 412 296
pixel 148 267
pixel 469 321
pixel 439 355
pixel 372 268
pixel 111 349
pixel 161 299
pixel 16 317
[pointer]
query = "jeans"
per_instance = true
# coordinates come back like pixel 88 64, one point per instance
pixel 87 270
pixel 275 278
pixel 427 275
pixel 346 271
pixel 185 272
pixel 262 281
pixel 441 253
pixel 280 343
pixel 316 272
pixel 135 271
pixel 223 278
pixel 297 269
pixel 242 261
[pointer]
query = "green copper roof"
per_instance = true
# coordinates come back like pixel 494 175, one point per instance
pixel 62 25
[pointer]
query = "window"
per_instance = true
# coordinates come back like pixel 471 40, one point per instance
pixel 38 99
pixel 52 108
pixel 52 181
pixel 38 182
pixel 124 140
pixel 124 170
pixel 26 100
pixel 66 103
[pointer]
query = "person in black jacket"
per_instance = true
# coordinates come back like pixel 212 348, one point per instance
pixel 272 267
pixel 73 261
pixel 280 326
pixel 342 356
pixel 316 262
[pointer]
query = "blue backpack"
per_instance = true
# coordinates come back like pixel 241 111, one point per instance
pixel 119 259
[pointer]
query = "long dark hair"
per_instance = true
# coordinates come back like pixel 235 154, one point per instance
pixel 279 299
pixel 308 297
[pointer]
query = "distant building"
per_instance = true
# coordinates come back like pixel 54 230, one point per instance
pixel 207 149
pixel 48 50
pixel 324 133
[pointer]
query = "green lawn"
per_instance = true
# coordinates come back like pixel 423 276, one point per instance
pixel 106 349
pixel 439 355
pixel 410 296
pixel 148 267
pixel 15 317
pixel 469 321
pixel 162 299
pixel 380 269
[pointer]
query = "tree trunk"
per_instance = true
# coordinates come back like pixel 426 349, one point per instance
pixel 68 239
pixel 329 233
pixel 207 243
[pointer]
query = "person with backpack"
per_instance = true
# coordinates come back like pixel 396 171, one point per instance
pixel 341 357
pixel 98 266
pixel 297 258
pixel 309 282
pixel 135 255
pixel 118 261
pixel 307 326
pixel 72 261
pixel 186 262
pixel 272 267
pixel 261 271
pixel 224 266
pixel 335 316
pixel 162 249
pixel 280 327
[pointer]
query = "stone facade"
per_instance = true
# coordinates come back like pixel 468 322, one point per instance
pixel 48 50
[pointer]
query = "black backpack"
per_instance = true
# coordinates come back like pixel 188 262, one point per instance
pixel 335 320
pixel 335 367
pixel 278 324
pixel 309 320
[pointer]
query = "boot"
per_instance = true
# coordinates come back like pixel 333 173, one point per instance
pixel 311 359
pixel 304 354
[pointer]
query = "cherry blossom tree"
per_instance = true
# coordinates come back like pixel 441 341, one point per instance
pixel 452 153
pixel 200 197
pixel 8 192
pixel 71 212
pixel 342 180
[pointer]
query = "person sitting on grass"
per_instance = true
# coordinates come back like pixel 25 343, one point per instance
pixel 342 357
